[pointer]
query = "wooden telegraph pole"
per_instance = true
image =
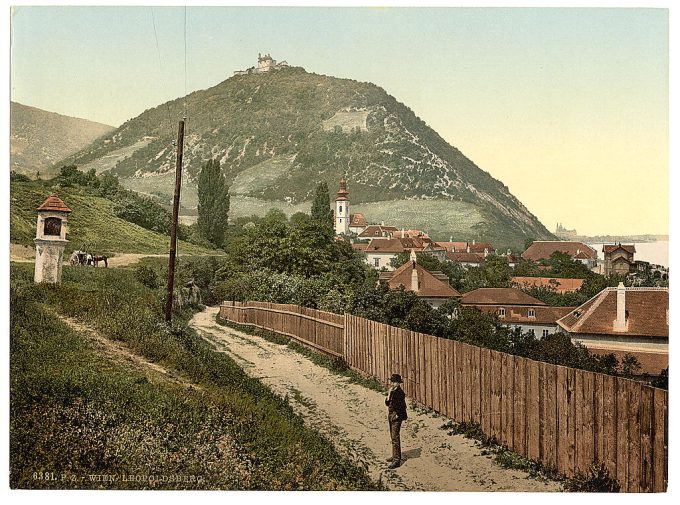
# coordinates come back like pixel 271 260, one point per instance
pixel 175 215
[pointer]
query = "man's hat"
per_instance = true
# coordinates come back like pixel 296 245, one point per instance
pixel 396 378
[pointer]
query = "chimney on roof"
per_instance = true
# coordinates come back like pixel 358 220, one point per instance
pixel 451 238
pixel 402 233
pixel 382 223
pixel 486 252
pixel 414 273
pixel 620 321
pixel 473 241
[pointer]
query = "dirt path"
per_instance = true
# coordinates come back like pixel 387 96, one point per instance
pixel 355 419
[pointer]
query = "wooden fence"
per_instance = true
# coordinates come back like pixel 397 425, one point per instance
pixel 563 417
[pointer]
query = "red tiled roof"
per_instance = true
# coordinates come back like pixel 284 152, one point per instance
pixel 385 245
pixel 376 230
pixel 650 362
pixel 359 247
pixel 499 296
pixel 479 247
pixel 543 249
pixel 453 246
pixel 647 310
pixel 357 219
pixel 54 204
pixel 544 314
pixel 464 257
pixel 560 285
pixel 428 285
pixel 608 248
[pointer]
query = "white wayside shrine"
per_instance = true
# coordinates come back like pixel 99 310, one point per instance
pixel 342 215
pixel 50 239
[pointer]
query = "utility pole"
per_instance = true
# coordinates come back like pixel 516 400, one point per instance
pixel 175 216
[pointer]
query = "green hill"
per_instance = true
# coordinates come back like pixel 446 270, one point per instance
pixel 92 223
pixel 279 134
pixel 39 138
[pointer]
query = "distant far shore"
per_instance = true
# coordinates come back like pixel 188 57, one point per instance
pixel 618 238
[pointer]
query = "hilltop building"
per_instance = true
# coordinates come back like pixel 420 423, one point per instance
pixel 264 64
pixel 624 321
pixel 562 233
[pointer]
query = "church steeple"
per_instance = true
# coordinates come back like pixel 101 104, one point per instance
pixel 342 215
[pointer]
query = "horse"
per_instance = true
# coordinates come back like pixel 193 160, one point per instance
pixel 99 258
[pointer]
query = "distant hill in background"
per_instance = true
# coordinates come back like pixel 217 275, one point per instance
pixel 277 135
pixel 39 139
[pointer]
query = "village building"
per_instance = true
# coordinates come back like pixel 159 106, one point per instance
pixel 357 223
pixel 624 320
pixel 341 214
pixel 374 231
pixel 465 259
pixel 516 309
pixel 543 249
pixel 618 259
pixel 264 64
pixel 432 287
pixel 381 250
pixel 560 286
pixel 452 246
pixel 50 239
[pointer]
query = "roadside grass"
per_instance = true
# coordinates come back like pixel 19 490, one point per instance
pixel 334 364
pixel 596 479
pixel 76 413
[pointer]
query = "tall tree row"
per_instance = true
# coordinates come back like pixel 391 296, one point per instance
pixel 213 203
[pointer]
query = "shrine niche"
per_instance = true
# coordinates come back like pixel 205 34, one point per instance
pixel 52 226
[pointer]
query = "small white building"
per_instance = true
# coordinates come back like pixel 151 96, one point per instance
pixel 50 239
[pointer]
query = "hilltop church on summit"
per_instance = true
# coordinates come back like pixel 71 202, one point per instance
pixel 264 64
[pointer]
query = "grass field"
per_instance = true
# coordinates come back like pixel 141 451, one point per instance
pixel 92 224
pixel 76 414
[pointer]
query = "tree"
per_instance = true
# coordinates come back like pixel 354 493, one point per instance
pixel 213 203
pixel 321 206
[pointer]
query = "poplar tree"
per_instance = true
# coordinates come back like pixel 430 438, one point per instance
pixel 213 203
pixel 321 206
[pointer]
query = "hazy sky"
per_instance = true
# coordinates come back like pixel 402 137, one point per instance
pixel 567 107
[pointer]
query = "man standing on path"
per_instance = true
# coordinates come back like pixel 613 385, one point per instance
pixel 396 413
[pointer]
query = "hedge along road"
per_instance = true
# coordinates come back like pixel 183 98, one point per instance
pixel 354 418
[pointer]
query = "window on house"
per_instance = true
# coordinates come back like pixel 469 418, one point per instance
pixel 376 262
pixel 501 312
pixel 545 333
pixel 532 313
pixel 532 333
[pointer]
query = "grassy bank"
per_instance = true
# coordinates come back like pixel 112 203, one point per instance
pixel 92 224
pixel 75 414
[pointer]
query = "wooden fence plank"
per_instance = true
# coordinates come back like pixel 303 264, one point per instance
pixel 571 421
pixel 634 394
pixel 660 442
pixel 585 420
pixel 485 393
pixel 609 431
pixel 519 406
pixel 458 353
pixel 622 434
pixel 496 396
pixel 476 386
pixel 551 416
pixel 509 401
pixel 646 433
pixel 562 424
pixel 533 411
pixel 598 418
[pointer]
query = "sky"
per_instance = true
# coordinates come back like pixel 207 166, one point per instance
pixel 567 107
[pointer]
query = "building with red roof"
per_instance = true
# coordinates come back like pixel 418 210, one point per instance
pixel 624 320
pixel 543 249
pixel 516 309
